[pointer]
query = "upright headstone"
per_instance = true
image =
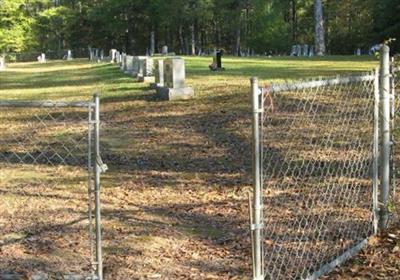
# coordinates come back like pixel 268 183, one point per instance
pixel 158 73
pixel 123 62
pixel 113 55
pixel 358 52
pixel 164 50
pixel 101 54
pixel 299 50
pixel 305 50
pixel 117 57
pixel 174 81
pixel 2 63
pixel 91 54
pixel 129 64
pixel 147 73
pixel 41 58
pixel 311 52
pixel 292 51
pixel 138 66
pixel 69 55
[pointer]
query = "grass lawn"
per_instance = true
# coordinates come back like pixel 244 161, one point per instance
pixel 175 197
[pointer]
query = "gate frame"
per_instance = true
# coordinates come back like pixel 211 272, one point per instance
pixel 93 107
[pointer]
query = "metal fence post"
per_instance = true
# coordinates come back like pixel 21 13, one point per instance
pixel 385 134
pixel 97 171
pixel 392 125
pixel 375 190
pixel 257 226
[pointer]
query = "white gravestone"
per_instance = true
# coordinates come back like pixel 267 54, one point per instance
pixel 117 57
pixel 113 55
pixel 147 74
pixel 41 58
pixel 292 51
pixel 138 65
pixel 69 55
pixel 129 64
pixel 164 50
pixel 174 81
pixel 311 52
pixel 305 50
pixel 123 62
pixel 2 63
pixel 358 51
pixel 158 74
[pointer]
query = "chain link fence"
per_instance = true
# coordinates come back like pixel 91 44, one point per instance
pixel 395 159
pixel 323 171
pixel 317 160
pixel 49 190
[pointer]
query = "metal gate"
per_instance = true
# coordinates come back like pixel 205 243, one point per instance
pixel 321 171
pixel 50 165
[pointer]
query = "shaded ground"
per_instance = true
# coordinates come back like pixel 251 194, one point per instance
pixel 175 197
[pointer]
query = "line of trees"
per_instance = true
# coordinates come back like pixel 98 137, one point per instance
pixel 188 26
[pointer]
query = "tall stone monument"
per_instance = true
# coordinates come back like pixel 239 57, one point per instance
pixel 174 81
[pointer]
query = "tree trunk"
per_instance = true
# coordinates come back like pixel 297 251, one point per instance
pixel 152 42
pixel 181 40
pixel 320 48
pixel 193 40
pixel 294 21
pixel 237 43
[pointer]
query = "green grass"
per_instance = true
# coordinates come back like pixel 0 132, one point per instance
pixel 78 79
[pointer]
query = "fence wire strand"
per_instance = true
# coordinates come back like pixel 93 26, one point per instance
pixel 44 173
pixel 317 173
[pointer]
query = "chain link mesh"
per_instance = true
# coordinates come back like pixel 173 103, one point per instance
pixel 45 229
pixel 317 174
pixel 394 206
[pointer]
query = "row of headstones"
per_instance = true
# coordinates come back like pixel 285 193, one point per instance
pixel 97 55
pixel 166 75
pixel 302 50
pixel 42 57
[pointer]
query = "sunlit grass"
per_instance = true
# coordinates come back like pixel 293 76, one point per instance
pixel 79 79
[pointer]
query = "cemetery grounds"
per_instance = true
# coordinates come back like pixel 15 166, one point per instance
pixel 175 197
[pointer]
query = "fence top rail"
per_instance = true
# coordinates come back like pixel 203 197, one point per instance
pixel 45 104
pixel 276 88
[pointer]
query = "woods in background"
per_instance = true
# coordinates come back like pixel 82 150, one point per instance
pixel 194 26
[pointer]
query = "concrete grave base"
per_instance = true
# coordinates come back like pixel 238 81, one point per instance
pixel 170 94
